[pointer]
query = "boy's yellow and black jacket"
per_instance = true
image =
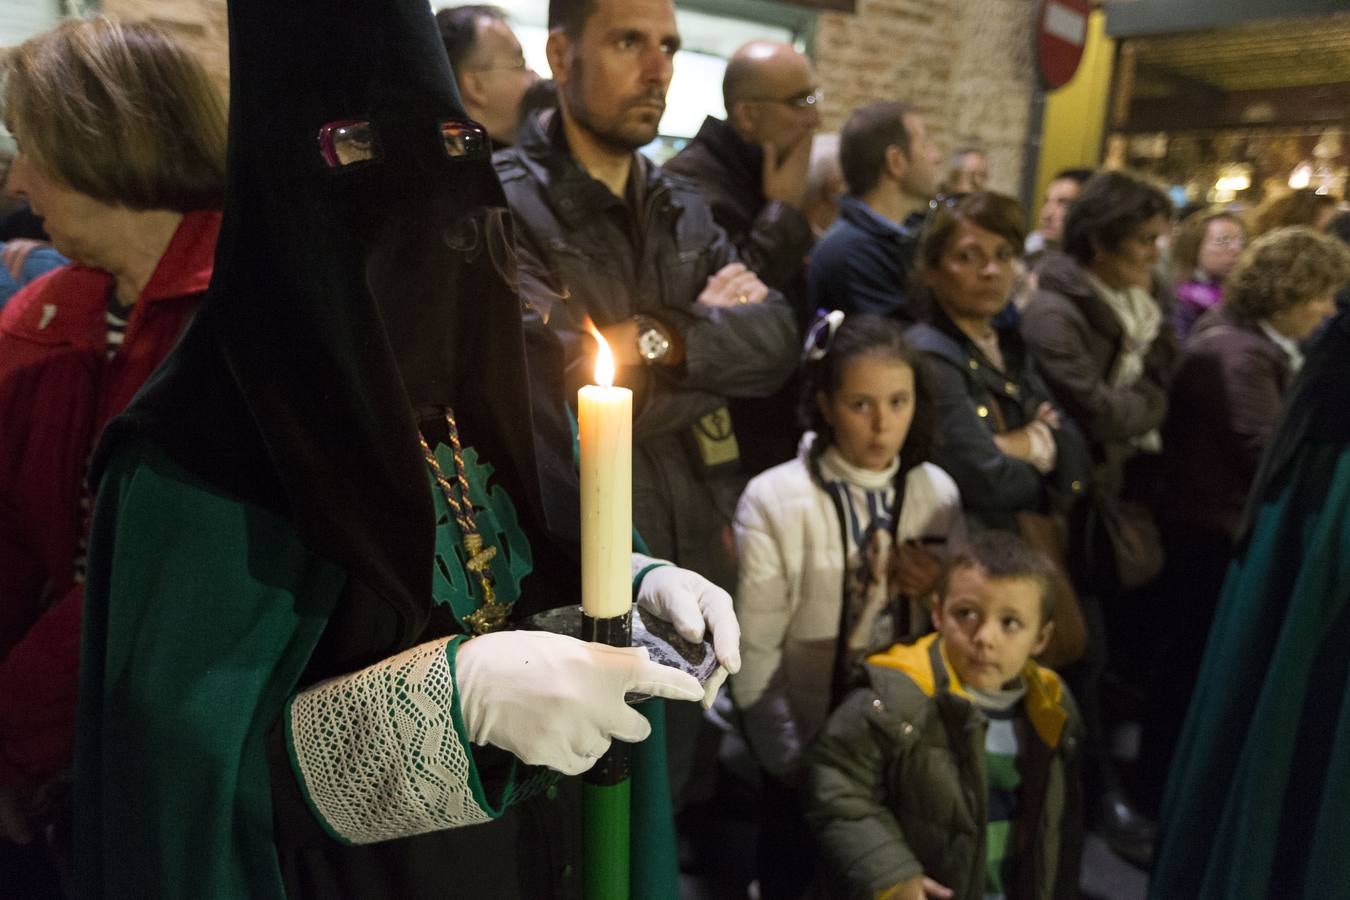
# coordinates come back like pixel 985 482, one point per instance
pixel 896 783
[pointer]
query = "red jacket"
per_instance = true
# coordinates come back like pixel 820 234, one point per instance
pixel 57 392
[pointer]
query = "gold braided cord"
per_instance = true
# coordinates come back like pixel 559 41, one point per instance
pixel 491 615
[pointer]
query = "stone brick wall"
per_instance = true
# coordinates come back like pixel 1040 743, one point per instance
pixel 966 65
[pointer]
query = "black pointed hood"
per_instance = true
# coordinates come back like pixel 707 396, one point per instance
pixel 349 292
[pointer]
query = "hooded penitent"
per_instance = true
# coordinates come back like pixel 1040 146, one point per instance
pixel 265 515
pixel 363 283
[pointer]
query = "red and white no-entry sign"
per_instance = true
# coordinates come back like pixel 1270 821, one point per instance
pixel 1060 39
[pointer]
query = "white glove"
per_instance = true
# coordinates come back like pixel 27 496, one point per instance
pixel 555 701
pixel 692 603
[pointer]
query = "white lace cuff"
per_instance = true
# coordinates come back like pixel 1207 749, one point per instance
pixel 383 753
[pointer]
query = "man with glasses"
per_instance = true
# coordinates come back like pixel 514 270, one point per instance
pixel 891 170
pixel 489 66
pixel 752 168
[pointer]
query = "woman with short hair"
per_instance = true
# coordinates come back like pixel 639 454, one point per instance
pixel 1105 347
pixel 122 152
pixel 1001 434
pixel 1096 328
pixel 1229 388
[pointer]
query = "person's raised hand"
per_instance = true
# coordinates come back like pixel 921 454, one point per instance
pixel 784 176
pixel 1047 413
pixel 914 570
pixel 733 285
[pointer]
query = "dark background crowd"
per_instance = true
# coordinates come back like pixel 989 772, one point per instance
pixel 1102 385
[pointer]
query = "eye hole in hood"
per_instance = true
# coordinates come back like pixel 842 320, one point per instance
pixel 465 140
pixel 348 142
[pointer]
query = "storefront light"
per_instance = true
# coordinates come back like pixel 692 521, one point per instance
pixel 1301 177
pixel 1232 180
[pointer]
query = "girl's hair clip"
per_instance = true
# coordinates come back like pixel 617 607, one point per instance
pixel 820 334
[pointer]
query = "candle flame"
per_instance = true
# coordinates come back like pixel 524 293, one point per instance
pixel 604 358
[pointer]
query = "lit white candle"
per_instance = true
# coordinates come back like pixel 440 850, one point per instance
pixel 605 423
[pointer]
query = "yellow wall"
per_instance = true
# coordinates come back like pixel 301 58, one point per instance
pixel 1076 113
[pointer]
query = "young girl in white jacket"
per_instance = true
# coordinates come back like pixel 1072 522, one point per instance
pixel 829 568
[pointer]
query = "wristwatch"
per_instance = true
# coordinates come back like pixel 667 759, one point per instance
pixel 653 341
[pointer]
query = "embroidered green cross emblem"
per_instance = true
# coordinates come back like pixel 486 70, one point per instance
pixel 505 552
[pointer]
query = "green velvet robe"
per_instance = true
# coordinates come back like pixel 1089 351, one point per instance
pixel 194 639
pixel 1258 800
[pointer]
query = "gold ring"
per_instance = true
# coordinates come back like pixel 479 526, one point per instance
pixel 742 298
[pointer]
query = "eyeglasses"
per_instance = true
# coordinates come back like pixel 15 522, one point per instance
pixel 1227 241
pixel 808 100
pixel 947 200
pixel 942 201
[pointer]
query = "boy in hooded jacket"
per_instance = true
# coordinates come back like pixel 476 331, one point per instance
pixel 954 772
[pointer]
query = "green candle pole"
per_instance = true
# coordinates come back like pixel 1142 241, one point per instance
pixel 606 795
pixel 606 808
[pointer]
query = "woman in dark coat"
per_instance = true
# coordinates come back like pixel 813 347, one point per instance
pixel 1106 349
pixel 1096 330
pixel 1205 250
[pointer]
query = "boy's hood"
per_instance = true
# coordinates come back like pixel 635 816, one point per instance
pixel 925 663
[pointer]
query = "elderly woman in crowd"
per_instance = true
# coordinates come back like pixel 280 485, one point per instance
pixel 1100 336
pixel 1003 439
pixel 1105 348
pixel 1206 248
pixel 1225 405
pixel 122 152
